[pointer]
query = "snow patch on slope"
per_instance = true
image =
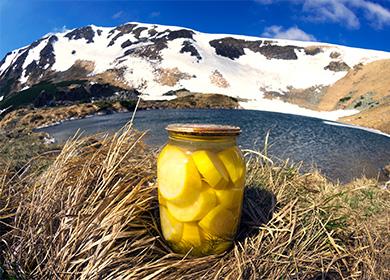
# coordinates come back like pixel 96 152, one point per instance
pixel 356 127
pixel 98 52
pixel 8 61
pixel 34 54
pixel 288 108
pixel 138 73
pixel 278 75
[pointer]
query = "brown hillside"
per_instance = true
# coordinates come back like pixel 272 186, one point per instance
pixel 378 118
pixel 369 83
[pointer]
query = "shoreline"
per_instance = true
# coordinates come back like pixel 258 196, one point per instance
pixel 324 120
pixel 371 130
pixel 279 106
pixel 38 118
pixel 35 118
pixel 56 135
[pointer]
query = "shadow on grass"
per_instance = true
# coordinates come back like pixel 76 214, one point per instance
pixel 258 208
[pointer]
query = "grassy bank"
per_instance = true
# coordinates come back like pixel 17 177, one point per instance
pixel 91 212
pixel 29 117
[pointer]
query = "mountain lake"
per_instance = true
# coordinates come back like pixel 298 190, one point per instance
pixel 341 153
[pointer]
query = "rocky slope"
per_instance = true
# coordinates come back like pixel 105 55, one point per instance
pixel 364 87
pixel 155 60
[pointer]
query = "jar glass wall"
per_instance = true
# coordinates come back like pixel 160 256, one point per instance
pixel 201 178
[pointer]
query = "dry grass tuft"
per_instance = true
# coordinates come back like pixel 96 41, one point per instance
pixel 93 215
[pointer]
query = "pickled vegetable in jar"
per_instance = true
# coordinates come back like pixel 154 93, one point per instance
pixel 201 178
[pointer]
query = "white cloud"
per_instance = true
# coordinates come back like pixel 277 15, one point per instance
pixel 117 15
pixel 378 15
pixel 292 33
pixel 60 29
pixel 345 12
pixel 331 11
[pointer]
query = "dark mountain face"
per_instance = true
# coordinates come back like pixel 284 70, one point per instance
pixel 234 48
pixel 158 41
pixel 152 35
pixel 85 32
pixel 47 58
pixel 122 29
pixel 9 78
pixel 188 47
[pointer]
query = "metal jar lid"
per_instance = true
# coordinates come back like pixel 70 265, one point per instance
pixel 203 129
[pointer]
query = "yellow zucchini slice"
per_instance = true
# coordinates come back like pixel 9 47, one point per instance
pixel 161 199
pixel 230 198
pixel 206 201
pixel 191 235
pixel 178 178
pixel 233 163
pixel 172 229
pixel 211 168
pixel 219 222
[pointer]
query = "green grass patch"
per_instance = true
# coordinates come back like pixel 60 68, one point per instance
pixel 28 96
pixel 344 99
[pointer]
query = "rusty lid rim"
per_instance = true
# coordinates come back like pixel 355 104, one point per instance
pixel 203 129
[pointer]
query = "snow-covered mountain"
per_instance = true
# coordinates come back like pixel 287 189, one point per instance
pixel 156 59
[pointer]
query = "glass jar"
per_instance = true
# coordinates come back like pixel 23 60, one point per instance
pixel 201 178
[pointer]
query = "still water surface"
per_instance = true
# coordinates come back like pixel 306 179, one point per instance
pixel 341 153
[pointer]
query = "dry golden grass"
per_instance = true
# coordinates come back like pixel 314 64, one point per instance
pixel 216 78
pixel 113 77
pixel 93 214
pixel 171 76
pixel 37 117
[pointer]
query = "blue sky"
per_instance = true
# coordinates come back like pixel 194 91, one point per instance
pixel 358 23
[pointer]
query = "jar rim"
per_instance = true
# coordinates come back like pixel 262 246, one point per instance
pixel 203 129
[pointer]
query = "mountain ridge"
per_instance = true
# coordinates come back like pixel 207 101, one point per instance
pixel 155 59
